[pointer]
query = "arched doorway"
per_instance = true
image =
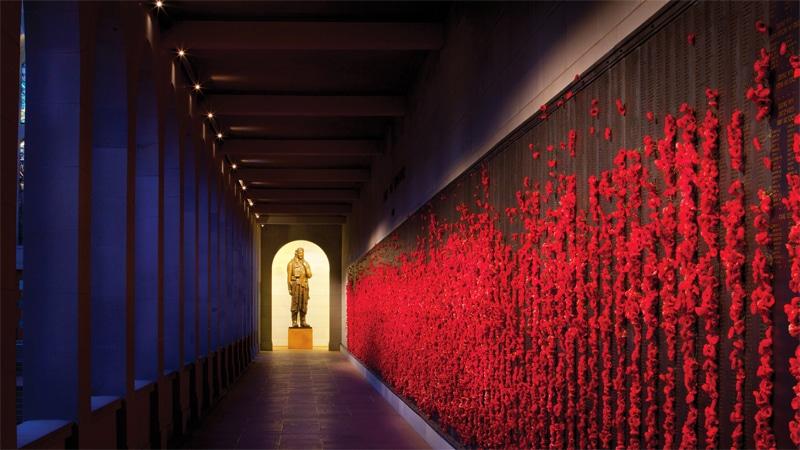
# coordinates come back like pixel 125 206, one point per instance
pixel 319 293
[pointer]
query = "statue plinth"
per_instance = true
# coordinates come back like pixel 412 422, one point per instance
pixel 301 338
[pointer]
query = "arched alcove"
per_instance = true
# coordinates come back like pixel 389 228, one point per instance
pixel 319 293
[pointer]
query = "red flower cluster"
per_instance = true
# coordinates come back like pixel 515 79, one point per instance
pixel 733 259
pixel 595 109
pixel 735 140
pixel 534 152
pixel 688 288
pixel 794 61
pixel 572 141
pixel 796 139
pixel 550 337
pixel 760 93
pixel 620 107
pixel 543 112
pixel 792 309
pixel 712 95
pixel 762 301
pixel 708 310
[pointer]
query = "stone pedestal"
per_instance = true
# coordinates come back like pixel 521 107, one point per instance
pixel 301 338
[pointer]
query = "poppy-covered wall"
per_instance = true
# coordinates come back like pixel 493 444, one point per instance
pixel 620 270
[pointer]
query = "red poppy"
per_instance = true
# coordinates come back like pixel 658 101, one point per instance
pixel 620 107
pixel 796 146
pixel 594 111
pixel 761 27
pixel 712 95
pixel 607 134
pixel 794 61
pixel 650 116
pixel 691 38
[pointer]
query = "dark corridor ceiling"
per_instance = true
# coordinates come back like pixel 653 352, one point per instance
pixel 305 93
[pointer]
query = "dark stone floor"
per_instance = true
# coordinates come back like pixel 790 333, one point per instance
pixel 303 399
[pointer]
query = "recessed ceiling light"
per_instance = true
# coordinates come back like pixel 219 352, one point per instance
pixel 159 4
pixel 210 115
pixel 181 52
pixel 197 86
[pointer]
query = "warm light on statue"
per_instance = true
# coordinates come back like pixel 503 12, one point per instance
pixel 298 273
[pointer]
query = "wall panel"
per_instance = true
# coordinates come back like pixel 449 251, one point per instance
pixel 516 349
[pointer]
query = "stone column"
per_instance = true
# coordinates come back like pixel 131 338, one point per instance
pixel 146 222
pixel 56 304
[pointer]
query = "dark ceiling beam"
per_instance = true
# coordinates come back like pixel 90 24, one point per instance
pixel 301 175
pixel 295 219
pixel 264 35
pixel 302 195
pixel 303 208
pixel 241 148
pixel 307 105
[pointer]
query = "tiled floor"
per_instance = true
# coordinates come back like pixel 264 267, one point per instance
pixel 303 399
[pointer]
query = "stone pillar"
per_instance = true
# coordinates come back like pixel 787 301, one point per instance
pixel 56 302
pixel 109 215
pixel 189 252
pixel 172 241
pixel 146 222
pixel 213 253
pixel 201 175
pixel 225 262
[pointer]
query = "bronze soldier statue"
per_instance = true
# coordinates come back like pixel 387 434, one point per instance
pixel 298 272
